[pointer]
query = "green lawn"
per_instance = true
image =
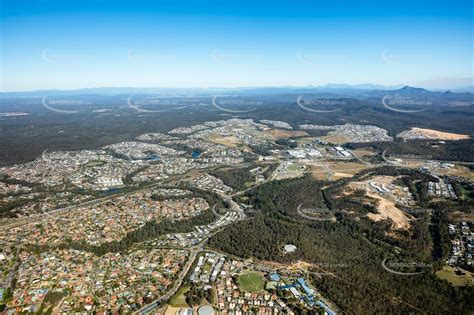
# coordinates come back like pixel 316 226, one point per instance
pixel 207 267
pixel 250 282
pixel 295 168
pixel 449 274
pixel 179 299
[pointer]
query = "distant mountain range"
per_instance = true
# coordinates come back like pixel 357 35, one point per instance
pixel 469 89
pixel 367 86
pixel 328 90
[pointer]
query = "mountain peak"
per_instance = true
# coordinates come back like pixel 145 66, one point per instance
pixel 408 88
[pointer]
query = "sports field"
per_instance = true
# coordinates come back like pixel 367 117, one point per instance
pixel 250 282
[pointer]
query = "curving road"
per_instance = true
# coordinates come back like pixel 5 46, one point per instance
pixel 155 304
pixel 194 251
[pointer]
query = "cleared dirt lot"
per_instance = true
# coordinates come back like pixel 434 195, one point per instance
pixel 229 141
pixel 386 208
pixel 333 170
pixel 280 133
pixel 440 135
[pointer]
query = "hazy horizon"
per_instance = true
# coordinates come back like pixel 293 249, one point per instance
pixel 327 86
pixel 178 44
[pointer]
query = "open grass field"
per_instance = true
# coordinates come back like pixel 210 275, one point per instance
pixel 457 170
pixel 295 168
pixel 449 274
pixel 363 152
pixel 179 299
pixel 250 282
pixel 335 139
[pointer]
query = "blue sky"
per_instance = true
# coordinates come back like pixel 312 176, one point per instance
pixel 74 44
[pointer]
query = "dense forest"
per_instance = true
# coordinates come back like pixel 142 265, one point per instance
pixel 352 250
pixel 237 178
pixel 23 138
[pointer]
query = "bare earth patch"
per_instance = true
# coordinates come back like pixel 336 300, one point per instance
pixel 230 141
pixel 439 135
pixel 170 310
pixel 280 133
pixel 334 170
pixel 387 209
pixel 299 265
